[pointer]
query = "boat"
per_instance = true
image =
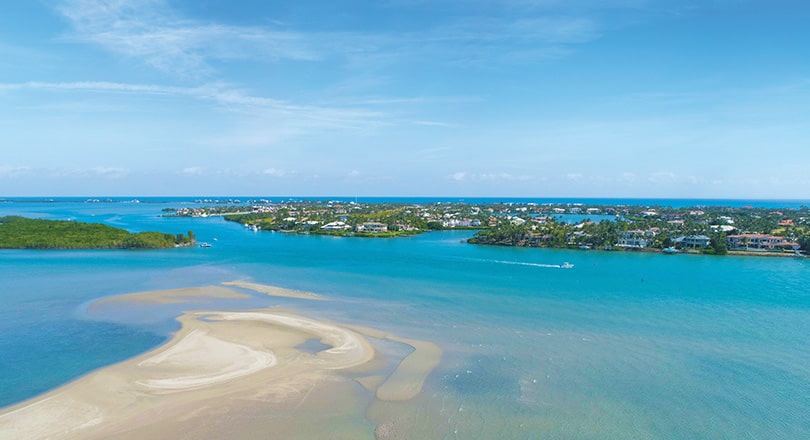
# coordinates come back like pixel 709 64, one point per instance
pixel 566 265
pixel 205 245
pixel 585 247
pixel 670 250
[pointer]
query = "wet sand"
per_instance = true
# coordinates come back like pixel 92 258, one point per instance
pixel 238 374
pixel 275 291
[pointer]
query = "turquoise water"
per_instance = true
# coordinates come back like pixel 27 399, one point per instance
pixel 624 345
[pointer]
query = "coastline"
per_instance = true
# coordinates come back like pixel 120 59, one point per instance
pixel 226 365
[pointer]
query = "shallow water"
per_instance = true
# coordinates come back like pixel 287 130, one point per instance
pixel 623 345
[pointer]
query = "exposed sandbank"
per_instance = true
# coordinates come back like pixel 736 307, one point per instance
pixel 408 378
pixel 175 296
pixel 222 366
pixel 275 291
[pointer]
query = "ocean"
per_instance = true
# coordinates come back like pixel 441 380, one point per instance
pixel 622 345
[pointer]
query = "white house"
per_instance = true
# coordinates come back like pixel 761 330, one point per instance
pixel 636 239
pixel 335 226
pixel 372 227
pixel 693 241
pixel 759 242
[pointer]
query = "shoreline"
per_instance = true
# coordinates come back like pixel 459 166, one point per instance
pixel 225 364
pixel 730 253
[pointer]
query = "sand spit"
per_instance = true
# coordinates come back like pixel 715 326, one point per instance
pixel 275 291
pixel 407 379
pixel 175 296
pixel 227 366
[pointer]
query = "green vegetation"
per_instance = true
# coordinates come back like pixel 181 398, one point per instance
pixel 25 233
pixel 707 230
pixel 350 219
pixel 716 230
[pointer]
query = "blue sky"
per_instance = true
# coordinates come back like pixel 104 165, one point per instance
pixel 545 98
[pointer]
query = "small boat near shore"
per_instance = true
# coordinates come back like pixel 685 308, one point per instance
pixel 205 245
pixel 670 250
pixel 566 265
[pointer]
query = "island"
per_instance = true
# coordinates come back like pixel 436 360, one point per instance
pixel 717 230
pixel 27 233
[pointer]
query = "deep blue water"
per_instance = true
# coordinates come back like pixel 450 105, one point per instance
pixel 624 345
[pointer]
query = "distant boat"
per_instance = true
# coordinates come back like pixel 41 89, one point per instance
pixel 670 250
pixel 585 247
pixel 566 265
pixel 205 245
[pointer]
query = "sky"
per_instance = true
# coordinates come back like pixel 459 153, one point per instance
pixel 513 98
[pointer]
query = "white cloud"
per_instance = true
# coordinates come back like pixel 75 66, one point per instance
pixel 295 117
pixel 669 177
pixel 10 171
pixel 153 31
pixel 574 176
pixel 274 172
pixel 193 171
pixel 110 172
pixel 433 124
pixel 459 176
pixel 479 177
pixel 97 171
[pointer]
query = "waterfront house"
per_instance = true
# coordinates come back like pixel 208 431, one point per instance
pixel 461 223
pixel 374 227
pixel 335 226
pixel 693 241
pixel 759 242
pixel 635 239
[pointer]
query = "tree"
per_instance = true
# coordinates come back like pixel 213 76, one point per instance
pixel 718 244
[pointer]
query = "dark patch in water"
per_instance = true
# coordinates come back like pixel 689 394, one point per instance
pixel 481 376
pixel 312 346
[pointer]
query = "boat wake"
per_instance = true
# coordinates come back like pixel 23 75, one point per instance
pixel 565 265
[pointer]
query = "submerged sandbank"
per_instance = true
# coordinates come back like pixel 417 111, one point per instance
pixel 228 365
pixel 174 296
pixel 275 291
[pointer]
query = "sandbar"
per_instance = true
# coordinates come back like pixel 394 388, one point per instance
pixel 175 296
pixel 407 380
pixel 228 365
pixel 275 291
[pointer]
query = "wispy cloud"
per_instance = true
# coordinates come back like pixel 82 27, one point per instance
pixel 228 98
pixel 153 31
pixel 96 171
pixel 462 176
pixel 11 171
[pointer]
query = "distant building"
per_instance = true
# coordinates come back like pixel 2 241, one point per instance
pixel 461 223
pixel 723 228
pixel 693 241
pixel 335 226
pixel 517 221
pixel 374 227
pixel 635 239
pixel 759 242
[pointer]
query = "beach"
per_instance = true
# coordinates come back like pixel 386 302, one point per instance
pixel 253 366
